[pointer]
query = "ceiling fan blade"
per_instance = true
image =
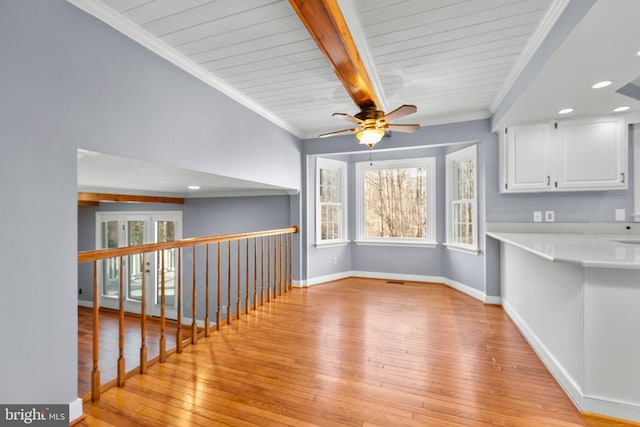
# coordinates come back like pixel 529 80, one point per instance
pixel 402 128
pixel 339 132
pixel 348 117
pixel 401 111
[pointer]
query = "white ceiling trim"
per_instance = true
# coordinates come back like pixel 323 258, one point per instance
pixel 355 27
pixel 541 32
pixel 165 51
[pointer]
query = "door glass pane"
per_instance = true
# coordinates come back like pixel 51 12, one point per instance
pixel 110 266
pixel 165 232
pixel 135 237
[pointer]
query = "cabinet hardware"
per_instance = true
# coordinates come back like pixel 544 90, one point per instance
pixel 622 176
pixel 548 180
pixel 556 184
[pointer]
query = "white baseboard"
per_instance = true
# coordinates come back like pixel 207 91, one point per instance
pixel 75 410
pixel 598 405
pixel 324 279
pixel 490 299
pixel 396 276
pixel 477 294
pixel 83 303
pixel 187 321
pixel 571 388
pixel 468 290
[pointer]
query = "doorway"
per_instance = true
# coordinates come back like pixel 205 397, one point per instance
pixel 122 229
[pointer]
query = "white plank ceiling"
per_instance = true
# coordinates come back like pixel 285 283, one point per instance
pixel 454 59
pixel 451 58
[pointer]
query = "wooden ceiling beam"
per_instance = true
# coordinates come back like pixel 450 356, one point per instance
pixel 124 198
pixel 327 26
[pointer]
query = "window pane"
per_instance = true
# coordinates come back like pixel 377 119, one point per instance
pixel 110 266
pixel 330 201
pixel 165 232
pixel 329 185
pixel 329 222
pixel 465 176
pixel 135 238
pixel 462 222
pixel 395 203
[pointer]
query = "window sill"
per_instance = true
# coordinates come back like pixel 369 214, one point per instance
pixel 398 243
pixel 463 249
pixel 331 244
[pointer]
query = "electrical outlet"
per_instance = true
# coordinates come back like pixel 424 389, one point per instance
pixel 549 216
pixel 621 214
pixel 537 216
pixel 334 261
pixel 223 309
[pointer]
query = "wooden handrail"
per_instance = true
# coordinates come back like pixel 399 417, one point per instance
pixel 99 254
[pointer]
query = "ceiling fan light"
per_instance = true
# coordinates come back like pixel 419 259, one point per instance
pixel 370 137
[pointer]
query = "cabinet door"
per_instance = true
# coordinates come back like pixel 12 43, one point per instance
pixel 528 157
pixel 592 155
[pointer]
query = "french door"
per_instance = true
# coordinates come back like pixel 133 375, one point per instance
pixel 120 229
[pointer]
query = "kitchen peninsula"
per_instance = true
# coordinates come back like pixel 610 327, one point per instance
pixel 573 290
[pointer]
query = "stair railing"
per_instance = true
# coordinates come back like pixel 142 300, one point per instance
pixel 272 252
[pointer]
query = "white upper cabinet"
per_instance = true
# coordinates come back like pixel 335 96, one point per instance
pixel 571 155
pixel 592 154
pixel 528 162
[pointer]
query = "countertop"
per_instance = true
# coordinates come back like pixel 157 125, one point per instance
pixel 616 250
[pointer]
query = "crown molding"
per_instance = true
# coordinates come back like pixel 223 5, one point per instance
pixel 155 45
pixel 546 24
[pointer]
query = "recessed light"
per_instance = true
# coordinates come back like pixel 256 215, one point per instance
pixel 621 109
pixel 193 187
pixel 601 84
pixel 565 111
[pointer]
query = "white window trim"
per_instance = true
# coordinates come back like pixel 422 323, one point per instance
pixel 430 164
pixel 324 163
pixel 467 153
pixel 636 170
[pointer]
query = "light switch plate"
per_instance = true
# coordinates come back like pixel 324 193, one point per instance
pixel 537 216
pixel 549 216
pixel 621 214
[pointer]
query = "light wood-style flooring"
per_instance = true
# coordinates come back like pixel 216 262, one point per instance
pixel 355 352
pixel 108 354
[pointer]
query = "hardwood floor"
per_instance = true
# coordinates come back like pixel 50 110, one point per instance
pixel 109 344
pixel 356 352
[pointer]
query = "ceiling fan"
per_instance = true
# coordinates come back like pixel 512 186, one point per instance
pixel 372 124
pixel 327 26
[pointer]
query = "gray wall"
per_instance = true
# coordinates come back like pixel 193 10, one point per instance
pixel 433 141
pixel 70 81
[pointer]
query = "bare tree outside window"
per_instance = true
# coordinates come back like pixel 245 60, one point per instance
pixel 462 217
pixel 463 202
pixel 330 204
pixel 330 200
pixel 395 202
